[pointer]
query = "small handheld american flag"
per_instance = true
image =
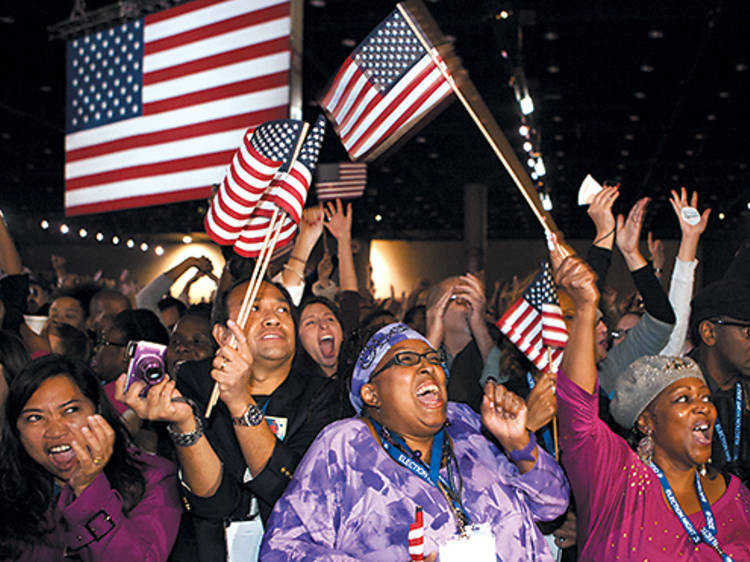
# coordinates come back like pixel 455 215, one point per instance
pixel 343 180
pixel 535 322
pixel 416 536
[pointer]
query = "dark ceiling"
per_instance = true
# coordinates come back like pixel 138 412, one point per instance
pixel 650 94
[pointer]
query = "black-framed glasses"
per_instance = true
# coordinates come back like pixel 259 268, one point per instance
pixel 744 325
pixel 408 358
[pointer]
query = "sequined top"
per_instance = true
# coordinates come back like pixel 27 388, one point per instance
pixel 622 514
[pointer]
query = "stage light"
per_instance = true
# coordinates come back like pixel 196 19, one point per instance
pixel 83 233
pixel 64 228
pixel 527 104
pixel 527 146
pixel 159 251
pixel 534 176
pixel 144 247
pixel 115 240
pixel 130 243
pixel 722 216
pixel 187 239
pixel 44 224
pixel 99 237
pixel 523 130
pixel 502 15
pixel 378 217
pixel 539 167
pixel 531 162
pixel 546 202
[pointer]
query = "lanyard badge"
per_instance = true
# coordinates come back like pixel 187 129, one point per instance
pixel 737 428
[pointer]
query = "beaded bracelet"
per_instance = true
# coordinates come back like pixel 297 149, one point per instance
pixel 192 437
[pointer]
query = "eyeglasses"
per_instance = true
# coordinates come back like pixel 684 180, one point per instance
pixel 744 325
pixel 410 358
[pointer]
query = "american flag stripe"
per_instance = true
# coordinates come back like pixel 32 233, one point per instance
pixel 383 88
pixel 416 536
pixel 343 180
pixel 251 240
pixel 397 107
pixel 204 65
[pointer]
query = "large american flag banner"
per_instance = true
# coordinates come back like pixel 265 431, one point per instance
pixel 343 180
pixel 535 322
pixel 156 107
pixel 384 88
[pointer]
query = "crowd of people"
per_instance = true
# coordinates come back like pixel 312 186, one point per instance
pixel 348 428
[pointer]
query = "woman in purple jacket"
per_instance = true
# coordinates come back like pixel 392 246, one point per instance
pixel 69 486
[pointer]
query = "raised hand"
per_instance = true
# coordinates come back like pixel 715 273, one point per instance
pixel 629 233
pixel 504 415
pixel 339 222
pixel 434 318
pixel 679 202
pixel 656 250
pixel 471 289
pixel 578 280
pixel 93 444
pixel 542 402
pixel 600 211
pixel 231 371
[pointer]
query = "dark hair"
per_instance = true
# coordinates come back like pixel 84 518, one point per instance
pixel 170 302
pixel 328 303
pixel 75 343
pixel 201 310
pixel 141 324
pixel 27 489
pixel 13 355
pixel 303 358
pixel 220 309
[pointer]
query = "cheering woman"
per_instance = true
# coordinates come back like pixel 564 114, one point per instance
pixel 69 486
pixel 359 486
pixel 657 503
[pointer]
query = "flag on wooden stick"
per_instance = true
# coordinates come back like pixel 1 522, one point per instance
pixel 535 322
pixel 386 86
pixel 343 180
pixel 416 536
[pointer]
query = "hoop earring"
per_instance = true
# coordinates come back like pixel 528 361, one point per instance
pixel 645 448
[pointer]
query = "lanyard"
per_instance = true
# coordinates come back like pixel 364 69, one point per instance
pixel 708 533
pixel 546 435
pixel 737 427
pixel 403 455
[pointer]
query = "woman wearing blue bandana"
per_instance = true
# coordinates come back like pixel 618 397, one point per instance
pixel 357 489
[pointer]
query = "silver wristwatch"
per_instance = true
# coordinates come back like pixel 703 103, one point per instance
pixel 252 417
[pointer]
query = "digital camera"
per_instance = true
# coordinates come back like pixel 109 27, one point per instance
pixel 147 364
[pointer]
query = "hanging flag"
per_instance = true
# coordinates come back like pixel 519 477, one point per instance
pixel 264 151
pixel 156 107
pixel 416 536
pixel 385 87
pixel 344 180
pixel 535 322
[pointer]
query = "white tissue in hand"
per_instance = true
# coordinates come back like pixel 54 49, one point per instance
pixel 589 188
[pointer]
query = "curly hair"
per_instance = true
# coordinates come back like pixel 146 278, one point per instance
pixel 26 488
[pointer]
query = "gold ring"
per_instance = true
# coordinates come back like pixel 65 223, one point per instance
pixel 223 364
pixel 97 460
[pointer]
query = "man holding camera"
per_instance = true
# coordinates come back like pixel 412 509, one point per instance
pixel 236 464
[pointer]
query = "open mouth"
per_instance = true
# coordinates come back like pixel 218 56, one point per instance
pixel 271 336
pixel 702 434
pixel 327 346
pixel 62 457
pixel 428 394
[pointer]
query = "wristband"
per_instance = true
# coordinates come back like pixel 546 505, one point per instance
pixel 524 454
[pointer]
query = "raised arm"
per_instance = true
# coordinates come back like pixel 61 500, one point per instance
pixel 10 260
pixel 310 229
pixel 579 281
pixel 340 226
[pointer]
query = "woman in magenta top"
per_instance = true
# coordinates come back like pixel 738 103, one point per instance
pixel 69 486
pixel 621 497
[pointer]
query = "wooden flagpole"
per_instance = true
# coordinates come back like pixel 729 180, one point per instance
pixel 256 279
pixel 425 28
pixel 554 418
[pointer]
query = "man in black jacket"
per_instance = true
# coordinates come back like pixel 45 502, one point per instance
pixel 235 468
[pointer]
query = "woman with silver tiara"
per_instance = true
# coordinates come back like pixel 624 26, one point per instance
pixel 659 500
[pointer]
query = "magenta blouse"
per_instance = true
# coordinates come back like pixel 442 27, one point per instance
pixel 621 512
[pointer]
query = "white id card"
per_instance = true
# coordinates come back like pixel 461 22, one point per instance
pixel 243 540
pixel 478 546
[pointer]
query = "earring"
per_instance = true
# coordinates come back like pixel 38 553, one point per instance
pixel 645 449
